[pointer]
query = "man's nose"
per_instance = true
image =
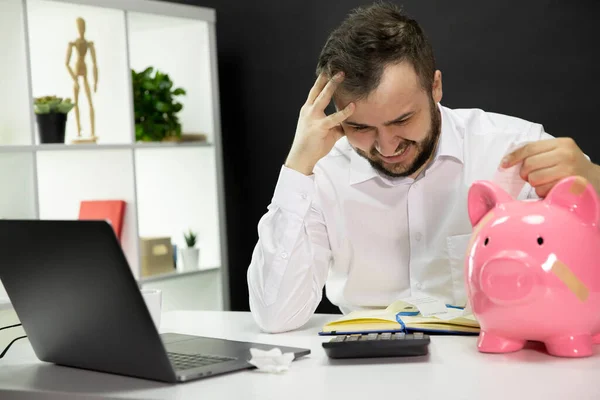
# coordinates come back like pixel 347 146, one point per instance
pixel 386 143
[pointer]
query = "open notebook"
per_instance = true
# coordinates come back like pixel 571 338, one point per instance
pixel 401 316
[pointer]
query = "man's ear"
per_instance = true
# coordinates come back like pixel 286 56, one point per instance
pixel 436 90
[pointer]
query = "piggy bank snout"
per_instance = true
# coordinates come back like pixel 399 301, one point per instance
pixel 508 278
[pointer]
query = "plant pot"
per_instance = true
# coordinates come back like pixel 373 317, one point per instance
pixel 51 127
pixel 189 258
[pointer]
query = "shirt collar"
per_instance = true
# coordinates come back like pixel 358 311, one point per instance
pixel 450 145
pixel 451 139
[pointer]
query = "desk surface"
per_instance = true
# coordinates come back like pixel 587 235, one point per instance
pixel 453 370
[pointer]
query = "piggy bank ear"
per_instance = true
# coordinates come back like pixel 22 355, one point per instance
pixel 484 196
pixel 577 195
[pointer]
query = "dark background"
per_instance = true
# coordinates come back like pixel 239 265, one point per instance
pixel 534 59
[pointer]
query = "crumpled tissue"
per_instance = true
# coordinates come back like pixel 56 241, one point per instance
pixel 510 179
pixel 273 361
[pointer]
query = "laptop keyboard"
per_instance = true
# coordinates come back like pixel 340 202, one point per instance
pixel 188 361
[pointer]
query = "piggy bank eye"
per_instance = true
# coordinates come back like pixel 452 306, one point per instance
pixel 486 241
pixel 540 240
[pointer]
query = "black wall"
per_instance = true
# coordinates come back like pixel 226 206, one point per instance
pixel 535 59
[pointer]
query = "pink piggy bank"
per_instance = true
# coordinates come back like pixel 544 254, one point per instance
pixel 532 268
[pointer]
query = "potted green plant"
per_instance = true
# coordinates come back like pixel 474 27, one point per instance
pixel 190 254
pixel 51 116
pixel 155 106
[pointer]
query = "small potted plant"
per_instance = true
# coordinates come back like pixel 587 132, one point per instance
pixel 190 254
pixel 156 106
pixel 51 115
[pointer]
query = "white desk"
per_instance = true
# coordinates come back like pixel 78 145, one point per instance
pixel 453 370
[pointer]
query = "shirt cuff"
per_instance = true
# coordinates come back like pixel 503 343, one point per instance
pixel 294 191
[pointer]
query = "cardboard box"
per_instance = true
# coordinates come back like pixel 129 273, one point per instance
pixel 156 255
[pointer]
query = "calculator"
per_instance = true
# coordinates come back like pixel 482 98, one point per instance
pixel 387 344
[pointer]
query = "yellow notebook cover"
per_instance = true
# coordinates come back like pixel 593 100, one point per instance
pixel 401 316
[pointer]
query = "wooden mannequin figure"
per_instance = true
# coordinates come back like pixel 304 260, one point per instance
pixel 82 46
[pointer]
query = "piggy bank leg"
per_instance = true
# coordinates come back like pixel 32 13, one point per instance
pixel 596 338
pixel 490 343
pixel 570 346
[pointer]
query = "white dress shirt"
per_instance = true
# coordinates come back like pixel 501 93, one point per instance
pixel 370 238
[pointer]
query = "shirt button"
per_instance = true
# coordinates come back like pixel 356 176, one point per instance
pixel 419 286
pixel 284 255
pixel 418 236
pixel 303 195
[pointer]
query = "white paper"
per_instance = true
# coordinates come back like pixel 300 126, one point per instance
pixel 428 306
pixel 450 313
pixel 467 310
pixel 272 361
pixel 510 179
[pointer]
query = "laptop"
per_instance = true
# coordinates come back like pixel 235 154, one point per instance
pixel 80 305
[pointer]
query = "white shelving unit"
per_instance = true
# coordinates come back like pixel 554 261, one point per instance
pixel 169 187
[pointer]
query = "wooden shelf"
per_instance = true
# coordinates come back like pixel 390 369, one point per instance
pixel 170 187
pixel 176 274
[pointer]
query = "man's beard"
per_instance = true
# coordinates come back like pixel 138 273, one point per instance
pixel 424 149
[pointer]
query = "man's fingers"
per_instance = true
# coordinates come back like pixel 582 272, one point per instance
pixel 544 176
pixel 337 118
pixel 338 132
pixel 538 161
pixel 543 190
pixel 528 150
pixel 317 88
pixel 326 94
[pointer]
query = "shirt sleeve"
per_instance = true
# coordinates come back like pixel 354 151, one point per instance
pixel 291 259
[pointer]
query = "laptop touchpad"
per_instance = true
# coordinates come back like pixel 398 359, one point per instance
pixel 210 346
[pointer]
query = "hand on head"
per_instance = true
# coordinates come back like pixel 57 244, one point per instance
pixel 316 132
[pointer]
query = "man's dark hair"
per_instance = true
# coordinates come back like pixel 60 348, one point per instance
pixel 368 40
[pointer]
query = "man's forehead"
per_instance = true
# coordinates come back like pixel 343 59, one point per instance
pixel 399 79
pixel 399 87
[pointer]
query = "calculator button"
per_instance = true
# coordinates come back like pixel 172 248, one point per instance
pixel 386 336
pixel 400 336
pixel 418 335
pixel 338 339
pixel 372 336
pixel 409 336
pixel 352 338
